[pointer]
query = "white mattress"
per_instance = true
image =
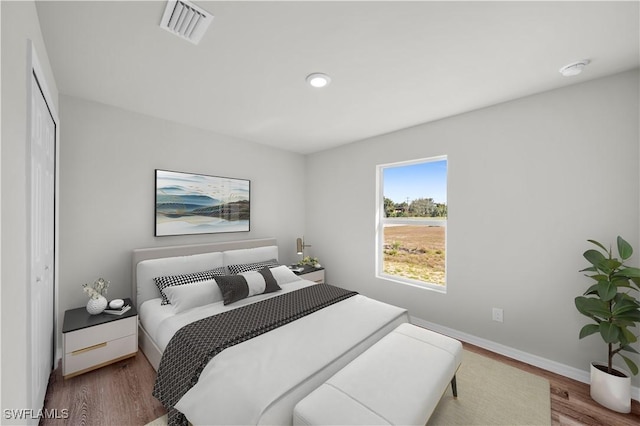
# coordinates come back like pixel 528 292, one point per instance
pixel 152 314
pixel 260 381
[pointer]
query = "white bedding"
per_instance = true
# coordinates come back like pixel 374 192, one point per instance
pixel 162 323
pixel 249 383
pixel 152 314
pixel 260 381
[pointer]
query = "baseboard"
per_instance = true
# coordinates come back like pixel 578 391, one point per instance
pixel 537 361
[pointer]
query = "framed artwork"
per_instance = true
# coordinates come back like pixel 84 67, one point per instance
pixel 188 203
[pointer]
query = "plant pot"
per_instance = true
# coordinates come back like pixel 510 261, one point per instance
pixel 611 391
pixel 96 306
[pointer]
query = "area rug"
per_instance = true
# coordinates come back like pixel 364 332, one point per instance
pixel 489 393
pixel 493 393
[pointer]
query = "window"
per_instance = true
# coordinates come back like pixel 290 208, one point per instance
pixel 412 222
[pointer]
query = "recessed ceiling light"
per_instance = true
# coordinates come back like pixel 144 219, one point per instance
pixel 318 79
pixel 574 68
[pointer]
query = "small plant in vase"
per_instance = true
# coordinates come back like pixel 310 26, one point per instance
pixel 97 292
pixel 311 261
pixel 615 312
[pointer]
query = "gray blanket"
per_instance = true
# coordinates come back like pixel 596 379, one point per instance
pixel 193 346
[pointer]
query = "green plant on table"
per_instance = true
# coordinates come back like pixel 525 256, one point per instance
pixel 97 289
pixel 308 260
pixel 609 303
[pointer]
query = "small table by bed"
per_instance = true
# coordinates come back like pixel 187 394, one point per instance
pixel 93 341
pixel 310 273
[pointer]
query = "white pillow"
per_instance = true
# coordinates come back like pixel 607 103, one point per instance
pixel 187 296
pixel 284 275
pixel 147 270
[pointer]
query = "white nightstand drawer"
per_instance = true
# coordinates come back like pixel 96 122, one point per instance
pixel 100 353
pixel 93 341
pixel 90 336
pixel 315 276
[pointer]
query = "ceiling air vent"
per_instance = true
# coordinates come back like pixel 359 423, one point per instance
pixel 186 20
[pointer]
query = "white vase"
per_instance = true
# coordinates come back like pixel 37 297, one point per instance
pixel 611 391
pixel 96 306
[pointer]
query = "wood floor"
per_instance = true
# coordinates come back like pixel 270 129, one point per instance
pixel 120 394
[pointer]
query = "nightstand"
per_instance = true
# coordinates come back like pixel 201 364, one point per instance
pixel 312 274
pixel 93 341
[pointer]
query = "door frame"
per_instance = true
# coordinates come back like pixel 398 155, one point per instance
pixel 34 68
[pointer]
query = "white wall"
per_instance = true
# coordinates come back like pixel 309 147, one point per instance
pixel 107 194
pixel 19 24
pixel 0 221
pixel 529 182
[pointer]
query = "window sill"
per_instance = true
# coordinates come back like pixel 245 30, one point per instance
pixel 413 283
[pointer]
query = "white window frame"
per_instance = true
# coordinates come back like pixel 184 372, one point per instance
pixel 381 220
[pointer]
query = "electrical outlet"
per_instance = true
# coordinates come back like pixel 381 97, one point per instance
pixel 498 314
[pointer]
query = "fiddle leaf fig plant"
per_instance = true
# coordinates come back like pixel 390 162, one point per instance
pixel 610 302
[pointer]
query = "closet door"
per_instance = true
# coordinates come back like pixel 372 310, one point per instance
pixel 42 227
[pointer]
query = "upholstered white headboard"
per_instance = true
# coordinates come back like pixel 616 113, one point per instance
pixel 150 263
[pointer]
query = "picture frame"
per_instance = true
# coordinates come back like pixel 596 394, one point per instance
pixel 190 204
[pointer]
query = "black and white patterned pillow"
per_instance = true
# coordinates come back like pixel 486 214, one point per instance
pixel 246 267
pixel 173 280
pixel 246 284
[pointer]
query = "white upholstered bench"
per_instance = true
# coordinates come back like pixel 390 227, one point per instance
pixel 398 381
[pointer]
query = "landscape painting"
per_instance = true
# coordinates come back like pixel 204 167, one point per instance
pixel 188 203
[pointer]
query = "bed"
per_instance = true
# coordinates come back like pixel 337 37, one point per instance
pixel 259 380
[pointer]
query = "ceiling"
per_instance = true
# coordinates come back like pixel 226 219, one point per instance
pixel 393 64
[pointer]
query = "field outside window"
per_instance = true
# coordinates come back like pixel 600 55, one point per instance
pixel 413 222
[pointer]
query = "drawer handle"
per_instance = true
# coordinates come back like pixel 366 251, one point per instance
pixel 90 348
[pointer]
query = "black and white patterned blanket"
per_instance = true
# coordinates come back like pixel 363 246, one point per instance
pixel 193 346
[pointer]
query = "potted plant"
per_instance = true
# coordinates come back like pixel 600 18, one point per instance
pixel 615 311
pixel 311 261
pixel 97 292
